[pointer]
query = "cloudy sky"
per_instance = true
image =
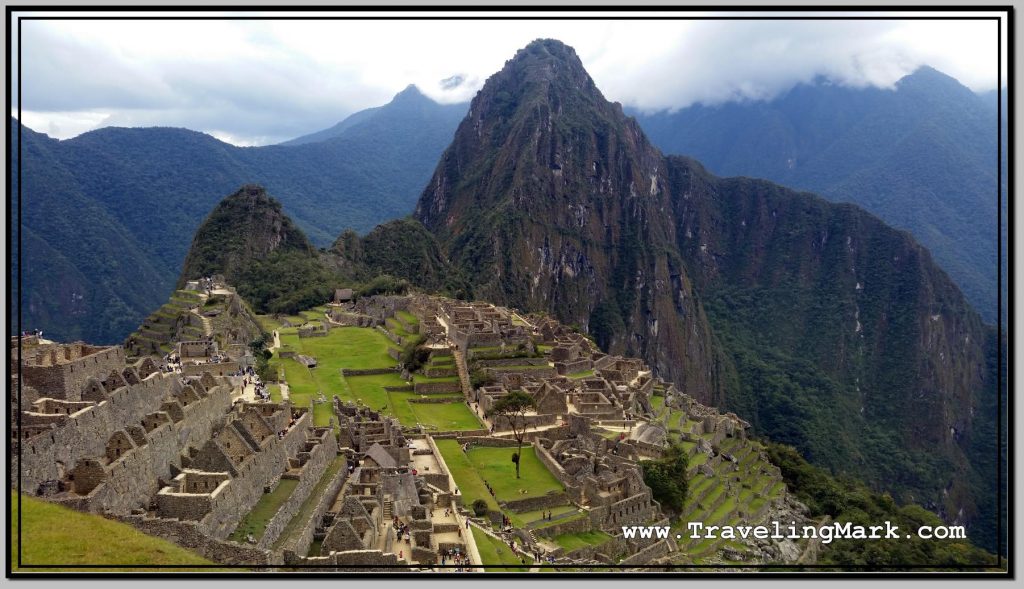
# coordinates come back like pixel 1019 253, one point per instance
pixel 261 82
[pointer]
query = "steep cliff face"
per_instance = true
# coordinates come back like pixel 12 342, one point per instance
pixel 822 325
pixel 549 198
pixel 897 358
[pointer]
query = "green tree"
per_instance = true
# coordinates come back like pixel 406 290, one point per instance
pixel 514 407
pixel 667 478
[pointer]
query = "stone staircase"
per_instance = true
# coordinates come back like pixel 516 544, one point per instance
pixel 388 509
pixel 460 363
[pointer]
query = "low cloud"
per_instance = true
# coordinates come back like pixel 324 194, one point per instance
pixel 258 82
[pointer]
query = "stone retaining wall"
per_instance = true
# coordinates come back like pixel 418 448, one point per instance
pixel 437 388
pixel 190 535
pixel 299 543
pixel 368 371
pixel 320 458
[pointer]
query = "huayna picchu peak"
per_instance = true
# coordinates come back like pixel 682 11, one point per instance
pixel 823 326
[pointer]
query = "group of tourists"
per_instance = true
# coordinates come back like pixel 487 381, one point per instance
pixel 401 530
pixel 249 377
pixel 171 363
pixel 456 557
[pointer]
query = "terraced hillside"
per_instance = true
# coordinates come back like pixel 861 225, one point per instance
pixel 731 482
pixel 191 315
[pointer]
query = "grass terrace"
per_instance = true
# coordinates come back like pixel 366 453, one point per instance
pixel 55 535
pixel 577 540
pixel 471 486
pixel 342 347
pixel 306 510
pixel 255 522
pixel 523 519
pixel 494 553
pixel 408 317
pixel 495 466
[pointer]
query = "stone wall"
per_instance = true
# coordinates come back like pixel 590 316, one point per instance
pixel 132 479
pixel 299 544
pixel 49 456
pixel 503 423
pixel 535 503
pixel 367 371
pixel 490 442
pixel 523 361
pixel 564 368
pixel 583 524
pixel 190 535
pixel 437 388
pixel 214 368
pixel 320 457
pixel 61 372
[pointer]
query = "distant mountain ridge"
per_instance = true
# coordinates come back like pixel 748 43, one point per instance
pixel 921 156
pixel 109 214
pixel 410 106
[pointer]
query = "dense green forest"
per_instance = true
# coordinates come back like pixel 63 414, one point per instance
pixel 845 499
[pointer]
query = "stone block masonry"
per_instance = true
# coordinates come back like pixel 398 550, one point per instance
pixel 52 455
pixel 324 451
pixel 62 371
pixel 298 544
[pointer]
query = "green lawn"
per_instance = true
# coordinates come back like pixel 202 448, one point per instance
pixel 494 553
pixel 471 486
pixel 520 520
pixel 581 374
pixel 408 317
pixel 275 392
pixel 343 347
pixel 269 324
pixel 396 328
pixel 446 417
pixel 55 535
pixel 495 466
pixel 370 389
pixel 578 540
pixel 255 522
pixel 421 378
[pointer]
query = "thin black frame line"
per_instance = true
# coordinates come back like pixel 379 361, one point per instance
pixel 999 289
pixel 519 8
pixel 20 296
pixel 501 18
pixel 10 11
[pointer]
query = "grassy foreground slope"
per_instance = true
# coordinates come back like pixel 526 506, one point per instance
pixel 55 535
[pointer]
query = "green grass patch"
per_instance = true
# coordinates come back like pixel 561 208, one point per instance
pixel 268 323
pixel 495 466
pixel 408 318
pixel 343 347
pixel 494 553
pixel 471 486
pixel 55 535
pixel 581 374
pixel 420 378
pixel 578 540
pixel 369 390
pixel 255 522
pixel 446 417
pixel 275 393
